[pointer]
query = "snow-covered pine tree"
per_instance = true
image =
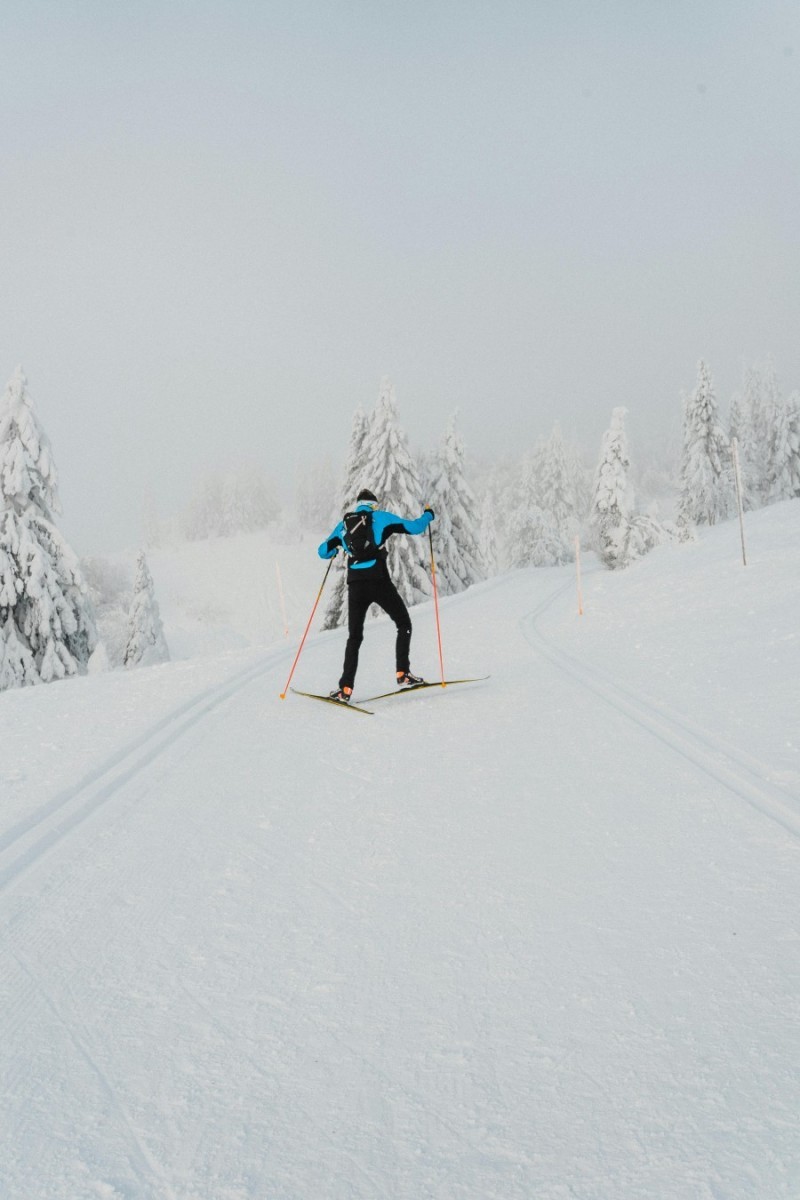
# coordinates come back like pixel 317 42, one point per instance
pixel 706 487
pixel 612 511
pixel 455 532
pixel 146 644
pixel 580 482
pixel 316 493
pixel 390 473
pixel 205 516
pixel 500 490
pixel 48 628
pixel 352 483
pixel 768 415
pixel 752 418
pixel 490 548
pixel 247 501
pixel 557 498
pixel 533 540
pixel 784 477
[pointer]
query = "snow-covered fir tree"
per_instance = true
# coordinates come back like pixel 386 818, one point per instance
pixel 390 472
pixel 48 628
pixel 240 500
pixel 753 414
pixel 248 501
pixel 706 486
pixel 316 494
pixel 352 483
pixel 204 518
pixel 146 644
pixel 784 473
pixel 621 534
pixel 542 507
pixel 557 489
pixel 455 531
pixel 533 538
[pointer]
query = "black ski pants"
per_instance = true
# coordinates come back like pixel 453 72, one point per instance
pixel 373 585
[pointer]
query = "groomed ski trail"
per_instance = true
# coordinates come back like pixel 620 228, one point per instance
pixel 742 774
pixel 454 955
pixel 24 843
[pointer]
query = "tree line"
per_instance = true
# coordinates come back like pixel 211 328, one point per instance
pixel 533 513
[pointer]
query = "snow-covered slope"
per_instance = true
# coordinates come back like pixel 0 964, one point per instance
pixel 535 937
pixel 225 593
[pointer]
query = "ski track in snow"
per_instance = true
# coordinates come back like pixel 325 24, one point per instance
pixel 26 842
pixel 740 773
pixel 482 1090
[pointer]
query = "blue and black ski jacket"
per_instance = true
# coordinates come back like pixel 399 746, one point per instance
pixel 384 524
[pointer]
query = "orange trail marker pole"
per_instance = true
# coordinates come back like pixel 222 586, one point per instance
pixel 308 626
pixel 436 607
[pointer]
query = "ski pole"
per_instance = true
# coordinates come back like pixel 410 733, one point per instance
pixel 436 607
pixel 308 626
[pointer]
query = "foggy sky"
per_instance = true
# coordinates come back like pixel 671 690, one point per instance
pixel 222 222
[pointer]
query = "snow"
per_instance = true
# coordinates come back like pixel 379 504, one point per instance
pixel 534 937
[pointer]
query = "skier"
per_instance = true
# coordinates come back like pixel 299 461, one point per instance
pixel 362 534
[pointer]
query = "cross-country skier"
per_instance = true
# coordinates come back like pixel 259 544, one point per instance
pixel 363 534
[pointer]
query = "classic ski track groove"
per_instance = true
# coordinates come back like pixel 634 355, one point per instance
pixel 54 820
pixel 25 843
pixel 741 774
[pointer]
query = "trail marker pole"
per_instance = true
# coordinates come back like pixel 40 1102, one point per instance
pixel 737 475
pixel 436 607
pixel 578 573
pixel 308 626
pixel 282 599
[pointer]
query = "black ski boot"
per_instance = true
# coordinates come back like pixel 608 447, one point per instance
pixel 406 679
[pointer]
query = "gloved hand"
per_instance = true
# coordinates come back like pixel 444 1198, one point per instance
pixel 428 509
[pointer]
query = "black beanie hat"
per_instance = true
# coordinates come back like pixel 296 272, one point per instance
pixel 366 494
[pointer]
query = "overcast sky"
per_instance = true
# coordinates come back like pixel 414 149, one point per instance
pixel 222 222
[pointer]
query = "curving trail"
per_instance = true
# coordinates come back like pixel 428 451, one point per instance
pixel 519 939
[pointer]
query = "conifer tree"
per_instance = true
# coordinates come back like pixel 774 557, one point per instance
pixel 784 479
pixel 752 420
pixel 556 493
pixel 47 624
pixel 352 483
pixel 612 502
pixel 390 473
pixel 455 532
pixel 248 501
pixel 146 644
pixel 705 483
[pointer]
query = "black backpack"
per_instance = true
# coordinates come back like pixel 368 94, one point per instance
pixel 359 540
